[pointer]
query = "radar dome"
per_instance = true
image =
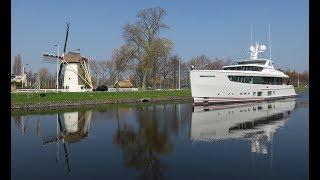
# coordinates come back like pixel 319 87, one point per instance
pixel 251 48
pixel 263 47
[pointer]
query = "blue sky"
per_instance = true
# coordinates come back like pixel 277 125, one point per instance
pixel 219 28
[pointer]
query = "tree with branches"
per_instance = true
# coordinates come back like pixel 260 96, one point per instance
pixel 143 36
pixel 122 58
pixel 17 65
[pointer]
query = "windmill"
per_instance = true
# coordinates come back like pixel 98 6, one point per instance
pixel 74 72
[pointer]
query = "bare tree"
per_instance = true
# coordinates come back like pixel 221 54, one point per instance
pixel 44 77
pixel 218 63
pixel 29 77
pixel 184 70
pixel 164 71
pixel 294 76
pixel 304 78
pixel 199 62
pixel 34 79
pixel 122 58
pixel 102 72
pixel 110 66
pixel 160 49
pixel 95 71
pixel 204 62
pixel 142 36
pixel 17 65
pixel 174 69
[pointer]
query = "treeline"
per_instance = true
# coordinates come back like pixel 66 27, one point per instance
pixel 165 74
pixel 166 77
pixel 295 77
pixel 42 77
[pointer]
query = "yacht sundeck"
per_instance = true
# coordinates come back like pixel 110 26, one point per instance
pixel 250 80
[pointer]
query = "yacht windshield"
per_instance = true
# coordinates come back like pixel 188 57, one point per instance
pixel 244 68
pixel 262 62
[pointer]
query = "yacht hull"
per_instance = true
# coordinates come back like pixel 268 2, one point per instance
pixel 214 86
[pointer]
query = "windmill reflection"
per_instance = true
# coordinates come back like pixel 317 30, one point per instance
pixel 256 122
pixel 144 141
pixel 72 127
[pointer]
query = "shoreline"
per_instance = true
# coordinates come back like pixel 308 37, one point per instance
pixel 97 107
pixel 65 100
pixel 59 105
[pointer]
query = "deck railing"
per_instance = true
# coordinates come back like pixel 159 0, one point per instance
pixel 38 90
pixel 121 89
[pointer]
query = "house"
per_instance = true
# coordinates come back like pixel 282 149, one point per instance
pixel 19 78
pixel 13 86
pixel 123 84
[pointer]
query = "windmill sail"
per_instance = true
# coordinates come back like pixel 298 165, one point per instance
pixel 66 39
pixel 60 76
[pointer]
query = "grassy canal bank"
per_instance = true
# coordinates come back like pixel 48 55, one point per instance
pixel 34 100
pixel 45 100
pixel 301 89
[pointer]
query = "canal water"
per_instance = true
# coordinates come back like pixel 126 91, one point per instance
pixel 267 140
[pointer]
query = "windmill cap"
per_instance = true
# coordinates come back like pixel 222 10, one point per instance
pixel 73 57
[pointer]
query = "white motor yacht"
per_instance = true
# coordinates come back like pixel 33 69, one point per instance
pixel 253 79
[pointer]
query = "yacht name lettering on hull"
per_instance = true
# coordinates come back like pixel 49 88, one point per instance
pixel 207 76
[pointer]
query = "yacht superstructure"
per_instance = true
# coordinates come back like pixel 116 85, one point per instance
pixel 254 79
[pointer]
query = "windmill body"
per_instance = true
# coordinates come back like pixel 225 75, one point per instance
pixel 70 80
pixel 76 73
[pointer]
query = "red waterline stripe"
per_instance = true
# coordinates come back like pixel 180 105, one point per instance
pixel 232 98
pixel 241 99
pixel 235 99
pixel 220 100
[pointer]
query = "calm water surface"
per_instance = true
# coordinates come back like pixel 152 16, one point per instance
pixel 165 141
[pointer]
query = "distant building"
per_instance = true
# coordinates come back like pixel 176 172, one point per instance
pixel 13 86
pixel 123 84
pixel 19 78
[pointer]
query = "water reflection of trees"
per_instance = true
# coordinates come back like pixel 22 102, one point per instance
pixel 302 104
pixel 21 123
pixel 143 146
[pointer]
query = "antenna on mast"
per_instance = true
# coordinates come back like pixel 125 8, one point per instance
pixel 250 34
pixel 269 42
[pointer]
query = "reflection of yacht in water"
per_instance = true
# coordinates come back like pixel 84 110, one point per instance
pixel 256 122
